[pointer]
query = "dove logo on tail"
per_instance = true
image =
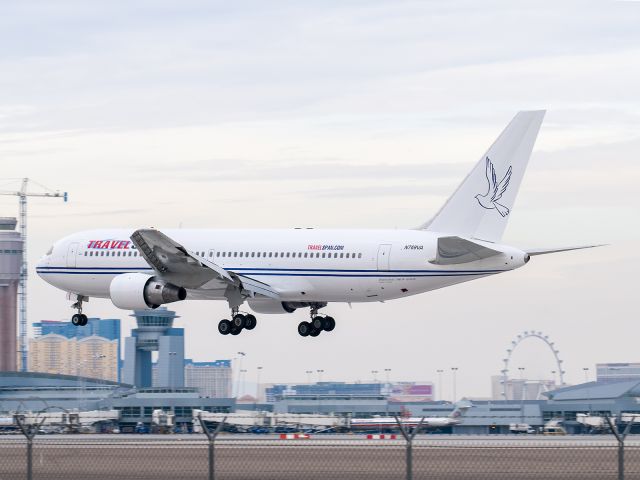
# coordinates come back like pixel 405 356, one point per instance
pixel 508 156
pixel 495 190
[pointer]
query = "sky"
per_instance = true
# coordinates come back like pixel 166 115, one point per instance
pixel 349 114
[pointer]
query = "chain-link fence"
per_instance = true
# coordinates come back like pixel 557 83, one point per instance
pixel 223 456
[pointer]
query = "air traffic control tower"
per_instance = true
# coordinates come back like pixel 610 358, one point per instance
pixel 155 332
pixel 10 263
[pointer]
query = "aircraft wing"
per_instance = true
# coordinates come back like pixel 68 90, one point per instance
pixel 180 266
pixel 455 250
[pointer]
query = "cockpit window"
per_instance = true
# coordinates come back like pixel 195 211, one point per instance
pixel 50 251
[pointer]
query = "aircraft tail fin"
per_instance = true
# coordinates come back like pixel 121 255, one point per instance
pixel 481 205
pixel 460 409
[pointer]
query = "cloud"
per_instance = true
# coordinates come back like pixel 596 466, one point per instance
pixel 101 213
pixel 311 170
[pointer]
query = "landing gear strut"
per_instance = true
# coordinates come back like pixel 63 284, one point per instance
pixel 79 319
pixel 237 323
pixel 317 325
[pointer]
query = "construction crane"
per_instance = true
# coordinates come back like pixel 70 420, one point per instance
pixel 22 194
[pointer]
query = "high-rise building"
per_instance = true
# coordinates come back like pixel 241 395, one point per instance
pixel 212 379
pixel 617 372
pixel 94 357
pixel 155 332
pixel 106 328
pixel 101 327
pixel 10 265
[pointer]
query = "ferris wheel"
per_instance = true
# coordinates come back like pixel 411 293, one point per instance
pixel 514 344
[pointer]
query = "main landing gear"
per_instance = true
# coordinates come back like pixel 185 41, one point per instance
pixel 237 323
pixel 317 325
pixel 79 319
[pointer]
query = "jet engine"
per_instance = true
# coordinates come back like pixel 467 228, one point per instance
pixel 132 291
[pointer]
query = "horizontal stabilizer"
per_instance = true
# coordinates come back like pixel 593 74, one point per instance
pixel 544 251
pixel 455 250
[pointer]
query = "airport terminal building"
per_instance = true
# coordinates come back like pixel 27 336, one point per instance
pixel 41 392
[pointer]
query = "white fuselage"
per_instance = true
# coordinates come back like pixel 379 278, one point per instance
pixel 305 265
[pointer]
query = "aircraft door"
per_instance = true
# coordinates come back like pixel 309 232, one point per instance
pixel 72 254
pixel 384 252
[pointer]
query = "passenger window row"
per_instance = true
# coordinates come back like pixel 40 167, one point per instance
pixel 128 253
pixel 286 254
pixel 131 253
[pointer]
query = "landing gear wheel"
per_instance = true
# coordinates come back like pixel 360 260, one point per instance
pixel 224 327
pixel 235 330
pixel 250 321
pixel 83 319
pixel 328 324
pixel 316 322
pixel 238 321
pixel 304 328
pixel 76 319
pixel 315 332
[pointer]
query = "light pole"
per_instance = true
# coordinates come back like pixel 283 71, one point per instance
pixel 454 371
pixel 374 373
pixel 309 373
pixel 586 380
pixel 387 373
pixel 82 382
pixel 320 372
pixel 79 366
pixel 171 354
pixel 258 370
pixel 440 372
pixel 244 376
pixel 521 369
pixel 522 394
pixel 240 356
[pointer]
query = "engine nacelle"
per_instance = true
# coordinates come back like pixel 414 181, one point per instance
pixel 133 291
pixel 270 306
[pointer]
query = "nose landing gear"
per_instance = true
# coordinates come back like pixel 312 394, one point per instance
pixel 79 319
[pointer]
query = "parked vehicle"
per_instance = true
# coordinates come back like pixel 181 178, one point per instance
pixel 518 428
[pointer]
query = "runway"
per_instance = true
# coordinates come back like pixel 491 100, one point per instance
pixel 238 457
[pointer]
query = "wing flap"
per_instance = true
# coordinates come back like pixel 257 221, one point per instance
pixel 174 263
pixel 456 250
pixel 170 259
pixel 257 286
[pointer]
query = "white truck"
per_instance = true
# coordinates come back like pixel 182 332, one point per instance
pixel 521 428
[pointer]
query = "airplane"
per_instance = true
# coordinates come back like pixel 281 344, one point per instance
pixel 279 271
pixel 379 423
